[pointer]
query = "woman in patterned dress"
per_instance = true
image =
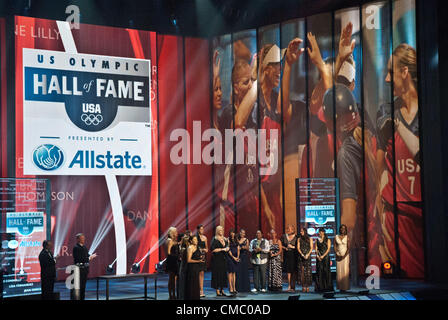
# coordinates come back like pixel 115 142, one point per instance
pixel 275 263
pixel 305 247
pixel 203 246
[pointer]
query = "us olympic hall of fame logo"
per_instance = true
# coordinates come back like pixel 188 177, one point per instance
pixel 24 223
pixel 91 87
pixel 319 214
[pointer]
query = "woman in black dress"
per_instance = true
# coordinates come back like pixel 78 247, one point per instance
pixel 242 272
pixel 182 278
pixel 172 261
pixel 323 272
pixel 194 260
pixel 203 246
pixel 289 243
pixel 305 247
pixel 233 259
pixel 219 247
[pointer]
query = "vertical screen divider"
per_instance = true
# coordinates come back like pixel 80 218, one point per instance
pixel 212 90
pixel 282 137
pixel 184 87
pixel 335 136
pixel 363 146
pixel 394 170
pixel 235 194
pixel 308 128
pixel 158 145
pixel 421 99
pixel 258 127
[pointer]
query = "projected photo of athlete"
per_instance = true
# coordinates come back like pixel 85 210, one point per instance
pixel 237 112
pixel 402 74
pixel 353 145
pixel 222 171
pixel 274 105
pixel 245 123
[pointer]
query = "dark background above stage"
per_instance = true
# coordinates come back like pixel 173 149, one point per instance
pixel 196 18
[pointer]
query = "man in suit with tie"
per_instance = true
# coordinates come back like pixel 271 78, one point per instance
pixel 47 270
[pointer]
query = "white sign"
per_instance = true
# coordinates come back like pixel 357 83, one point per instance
pixel 85 114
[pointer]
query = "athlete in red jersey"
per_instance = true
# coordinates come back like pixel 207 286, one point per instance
pixel 403 67
pixel 272 106
pixel 240 114
pixel 245 123
pixel 223 171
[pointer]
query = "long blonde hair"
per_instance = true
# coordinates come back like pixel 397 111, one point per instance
pixel 406 56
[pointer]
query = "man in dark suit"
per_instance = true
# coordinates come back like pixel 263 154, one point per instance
pixel 47 270
pixel 81 258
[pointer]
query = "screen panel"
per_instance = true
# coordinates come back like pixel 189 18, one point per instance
pixel 321 144
pixel 295 131
pixel 376 42
pixel 352 129
pixel 245 119
pixel 270 121
pixel 222 115
pixel 173 210
pixel 198 120
pixel 409 224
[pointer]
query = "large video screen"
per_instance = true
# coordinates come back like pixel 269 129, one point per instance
pixel 341 90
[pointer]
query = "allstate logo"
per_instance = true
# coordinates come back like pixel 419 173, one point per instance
pixel 48 157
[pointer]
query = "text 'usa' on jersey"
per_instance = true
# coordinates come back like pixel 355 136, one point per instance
pixel 408 184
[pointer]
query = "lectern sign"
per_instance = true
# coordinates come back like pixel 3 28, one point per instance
pixel 318 207
pixel 25 222
pixel 85 114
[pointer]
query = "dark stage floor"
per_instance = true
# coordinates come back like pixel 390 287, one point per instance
pixel 390 289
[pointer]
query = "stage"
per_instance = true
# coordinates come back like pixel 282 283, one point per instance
pixel 390 289
pixel 133 139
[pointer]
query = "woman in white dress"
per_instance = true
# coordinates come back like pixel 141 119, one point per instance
pixel 342 251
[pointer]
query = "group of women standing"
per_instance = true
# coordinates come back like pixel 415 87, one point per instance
pixel 298 249
pixel 230 262
pixel 231 257
pixel 186 264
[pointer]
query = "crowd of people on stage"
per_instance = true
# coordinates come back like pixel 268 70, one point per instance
pixel 232 257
